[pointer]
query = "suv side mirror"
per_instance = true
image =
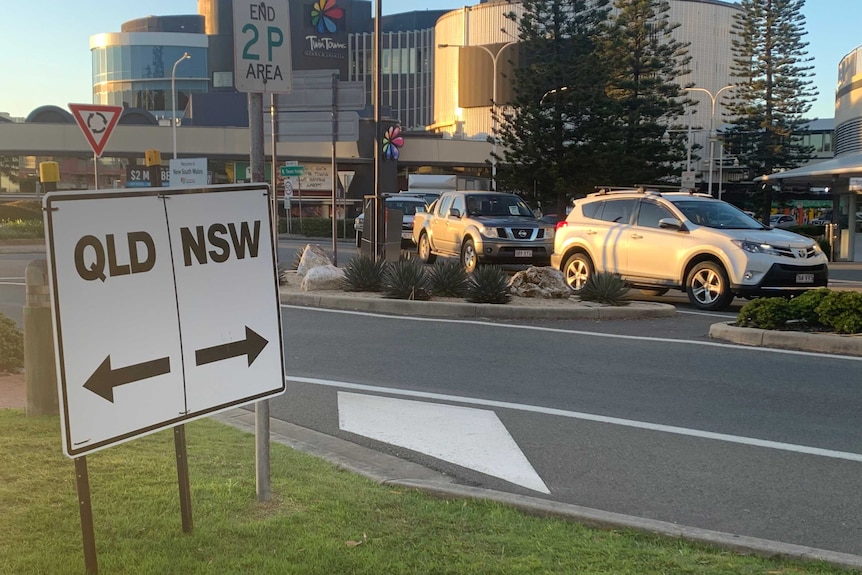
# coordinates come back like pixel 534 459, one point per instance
pixel 454 213
pixel 670 223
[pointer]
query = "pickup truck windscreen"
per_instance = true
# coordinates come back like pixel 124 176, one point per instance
pixel 497 205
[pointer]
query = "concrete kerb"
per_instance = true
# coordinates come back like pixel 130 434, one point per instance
pixel 793 340
pixel 636 310
pixel 389 470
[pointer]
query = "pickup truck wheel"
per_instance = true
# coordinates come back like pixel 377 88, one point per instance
pixel 577 270
pixel 469 258
pixel 424 250
pixel 708 287
pixel 358 239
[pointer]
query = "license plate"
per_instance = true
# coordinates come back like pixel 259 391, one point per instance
pixel 529 254
pixel 805 278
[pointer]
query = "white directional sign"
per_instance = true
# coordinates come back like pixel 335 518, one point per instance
pixel 165 307
pixel 261 43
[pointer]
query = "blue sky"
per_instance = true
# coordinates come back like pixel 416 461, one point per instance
pixel 45 54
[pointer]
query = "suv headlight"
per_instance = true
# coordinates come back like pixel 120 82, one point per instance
pixel 483 231
pixel 755 247
pixel 549 233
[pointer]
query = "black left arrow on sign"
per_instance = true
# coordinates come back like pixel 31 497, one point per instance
pixel 105 379
pixel 251 346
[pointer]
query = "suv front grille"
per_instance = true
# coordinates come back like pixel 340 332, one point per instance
pixel 795 253
pixel 520 233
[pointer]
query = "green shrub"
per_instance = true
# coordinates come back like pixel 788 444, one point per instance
pixel 824 245
pixel 22 229
pixel 804 307
pixel 407 279
pixel 765 313
pixel 364 274
pixel 315 227
pixel 488 284
pixel 808 230
pixel 20 210
pixel 448 278
pixel 11 345
pixel 605 287
pixel 842 311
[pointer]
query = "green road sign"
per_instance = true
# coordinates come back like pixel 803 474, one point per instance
pixel 292 170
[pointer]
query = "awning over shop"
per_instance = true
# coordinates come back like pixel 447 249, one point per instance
pixel 821 173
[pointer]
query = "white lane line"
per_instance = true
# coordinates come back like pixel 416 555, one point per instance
pixel 8 283
pixel 707 313
pixel 466 436
pixel 578 332
pixel 804 449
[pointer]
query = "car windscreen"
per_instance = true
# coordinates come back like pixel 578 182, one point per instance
pixel 497 205
pixel 716 214
pixel 407 208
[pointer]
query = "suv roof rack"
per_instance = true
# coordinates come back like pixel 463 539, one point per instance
pixel 646 189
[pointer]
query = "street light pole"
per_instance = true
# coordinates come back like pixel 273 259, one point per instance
pixel 185 56
pixel 494 57
pixel 713 98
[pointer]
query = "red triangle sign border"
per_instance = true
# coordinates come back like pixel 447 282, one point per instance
pixel 97 122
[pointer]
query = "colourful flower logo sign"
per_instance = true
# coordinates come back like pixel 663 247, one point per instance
pixel 392 141
pixel 324 13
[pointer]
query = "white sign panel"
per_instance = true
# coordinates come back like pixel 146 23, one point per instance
pixel 317 177
pixel 165 308
pixel 188 172
pixel 261 43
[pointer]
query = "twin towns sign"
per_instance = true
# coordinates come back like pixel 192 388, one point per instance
pixel 165 307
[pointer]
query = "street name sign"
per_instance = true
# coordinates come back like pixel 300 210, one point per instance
pixel 261 41
pixel 97 122
pixel 287 171
pixel 165 306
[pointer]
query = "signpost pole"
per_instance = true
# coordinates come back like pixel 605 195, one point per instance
pixel 183 477
pixel 334 172
pixel 95 171
pixel 82 482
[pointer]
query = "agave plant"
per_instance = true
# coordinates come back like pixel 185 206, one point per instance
pixel 605 287
pixel 364 274
pixel 448 279
pixel 488 284
pixel 407 279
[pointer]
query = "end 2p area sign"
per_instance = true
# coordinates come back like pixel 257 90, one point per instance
pixel 261 37
pixel 165 308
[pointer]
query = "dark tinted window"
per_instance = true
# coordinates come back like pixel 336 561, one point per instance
pixel 618 211
pixel 592 210
pixel 650 213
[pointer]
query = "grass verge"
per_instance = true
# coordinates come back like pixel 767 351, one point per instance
pixel 321 520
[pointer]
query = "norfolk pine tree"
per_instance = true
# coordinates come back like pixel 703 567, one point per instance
pixel 772 92
pixel 556 132
pixel 645 61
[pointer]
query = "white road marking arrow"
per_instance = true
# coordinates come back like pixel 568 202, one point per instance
pixel 465 436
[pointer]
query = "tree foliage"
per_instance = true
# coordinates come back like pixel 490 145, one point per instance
pixel 645 61
pixel 9 168
pixel 773 90
pixel 595 100
pixel 556 135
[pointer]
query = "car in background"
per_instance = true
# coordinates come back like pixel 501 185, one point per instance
pixel 482 227
pixel 428 195
pixel 782 221
pixel 409 207
pixel 657 241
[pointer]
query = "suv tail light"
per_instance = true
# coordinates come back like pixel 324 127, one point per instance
pixel 561 224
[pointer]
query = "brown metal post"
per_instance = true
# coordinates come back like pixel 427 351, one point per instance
pixel 82 482
pixel 183 477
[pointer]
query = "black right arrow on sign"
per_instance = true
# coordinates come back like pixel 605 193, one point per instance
pixel 251 346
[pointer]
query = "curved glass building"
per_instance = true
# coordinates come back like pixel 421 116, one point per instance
pixel 133 68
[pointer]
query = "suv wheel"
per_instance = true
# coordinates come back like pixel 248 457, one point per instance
pixel 708 287
pixel 577 270
pixel 424 250
pixel 469 258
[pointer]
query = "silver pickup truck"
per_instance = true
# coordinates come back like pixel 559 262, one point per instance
pixel 480 227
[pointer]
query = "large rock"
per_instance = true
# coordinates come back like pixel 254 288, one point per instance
pixel 326 277
pixel 313 256
pixel 540 282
